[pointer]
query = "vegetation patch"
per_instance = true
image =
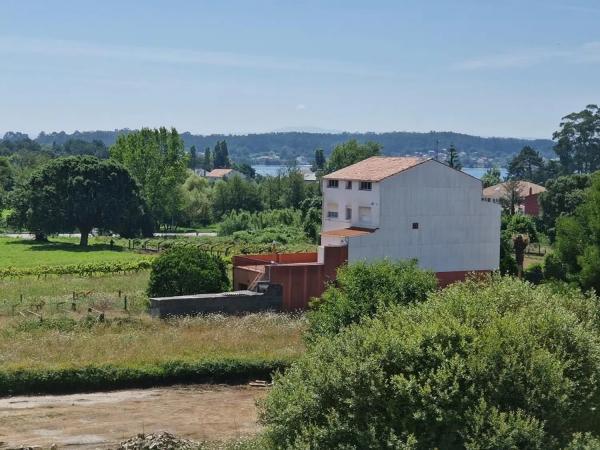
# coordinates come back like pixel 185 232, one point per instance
pixel 70 353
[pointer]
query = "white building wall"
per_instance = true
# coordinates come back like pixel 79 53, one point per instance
pixel 353 198
pixel 457 231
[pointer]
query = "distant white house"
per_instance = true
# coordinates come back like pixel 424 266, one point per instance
pixel 223 174
pixel 405 208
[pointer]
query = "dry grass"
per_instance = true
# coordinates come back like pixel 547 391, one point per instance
pixel 54 293
pixel 58 343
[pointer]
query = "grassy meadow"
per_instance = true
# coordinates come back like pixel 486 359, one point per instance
pixel 61 251
pixel 61 333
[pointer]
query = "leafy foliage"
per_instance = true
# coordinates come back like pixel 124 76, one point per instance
pixel 351 152
pixel 363 289
pixel 158 161
pixel 527 165
pixel 79 192
pixel 453 159
pixel 578 141
pixel 578 238
pixel 563 195
pixel 491 177
pixel 482 364
pixel 522 224
pixel 187 270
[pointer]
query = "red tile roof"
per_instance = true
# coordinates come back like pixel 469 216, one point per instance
pixel 348 232
pixel 375 168
pixel 218 173
pixel 526 188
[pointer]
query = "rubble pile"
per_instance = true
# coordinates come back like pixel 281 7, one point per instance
pixel 158 441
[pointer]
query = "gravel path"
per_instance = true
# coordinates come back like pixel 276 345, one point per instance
pixel 102 420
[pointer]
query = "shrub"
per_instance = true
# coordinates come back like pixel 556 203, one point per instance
pixel 362 289
pixel 554 269
pixel 187 270
pixel 496 364
pixel 534 274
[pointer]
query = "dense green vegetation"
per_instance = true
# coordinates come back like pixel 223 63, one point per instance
pixel 483 364
pixel 361 290
pixel 286 146
pixel 80 193
pixel 187 270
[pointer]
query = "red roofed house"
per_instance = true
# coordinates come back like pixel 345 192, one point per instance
pixel 529 193
pixel 223 174
pixel 388 207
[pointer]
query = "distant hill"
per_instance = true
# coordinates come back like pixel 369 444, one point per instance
pixel 290 145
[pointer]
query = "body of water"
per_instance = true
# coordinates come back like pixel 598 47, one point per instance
pixel 272 170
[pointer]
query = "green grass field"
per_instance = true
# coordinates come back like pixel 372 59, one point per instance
pixel 60 251
pixel 73 333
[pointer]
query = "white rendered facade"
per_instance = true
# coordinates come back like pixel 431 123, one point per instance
pixel 429 212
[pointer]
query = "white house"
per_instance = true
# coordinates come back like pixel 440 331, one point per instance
pixel 405 208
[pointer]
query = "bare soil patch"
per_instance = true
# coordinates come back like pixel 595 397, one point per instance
pixel 102 420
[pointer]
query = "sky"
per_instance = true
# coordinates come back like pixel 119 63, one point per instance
pixel 484 67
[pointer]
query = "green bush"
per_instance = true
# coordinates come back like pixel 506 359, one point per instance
pixel 246 221
pixel 362 289
pixel 534 274
pixel 480 365
pixel 187 270
pixel 554 269
pixel 86 379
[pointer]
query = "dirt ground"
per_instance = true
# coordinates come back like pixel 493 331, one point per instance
pixel 101 420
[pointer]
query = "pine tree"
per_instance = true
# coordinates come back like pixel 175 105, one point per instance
pixel 207 163
pixel 453 160
pixel 193 157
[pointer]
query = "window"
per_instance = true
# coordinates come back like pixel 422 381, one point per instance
pixel 365 186
pixel 333 184
pixel 348 213
pixel 364 214
pixel 332 210
pixel 415 225
pixel 348 184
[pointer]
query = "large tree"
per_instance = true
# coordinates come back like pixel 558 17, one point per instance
pixel 221 156
pixel 578 141
pixel 563 195
pixel 158 161
pixel 320 160
pixel 578 238
pixel 349 153
pixel 80 192
pixel 235 194
pixel 527 165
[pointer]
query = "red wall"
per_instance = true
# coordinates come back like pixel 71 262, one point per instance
pixel 302 278
pixel 299 274
pixel 531 205
pixel 446 278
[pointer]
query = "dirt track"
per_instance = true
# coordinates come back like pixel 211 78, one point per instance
pixel 101 420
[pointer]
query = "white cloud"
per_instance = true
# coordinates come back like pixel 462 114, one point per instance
pixel 587 53
pixel 161 55
pixel 300 107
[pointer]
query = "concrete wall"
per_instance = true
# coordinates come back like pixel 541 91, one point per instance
pixel 229 303
pixel 457 231
pixel 353 198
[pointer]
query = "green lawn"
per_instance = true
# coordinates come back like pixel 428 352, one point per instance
pixel 60 251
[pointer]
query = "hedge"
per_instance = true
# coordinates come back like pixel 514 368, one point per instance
pixel 102 378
